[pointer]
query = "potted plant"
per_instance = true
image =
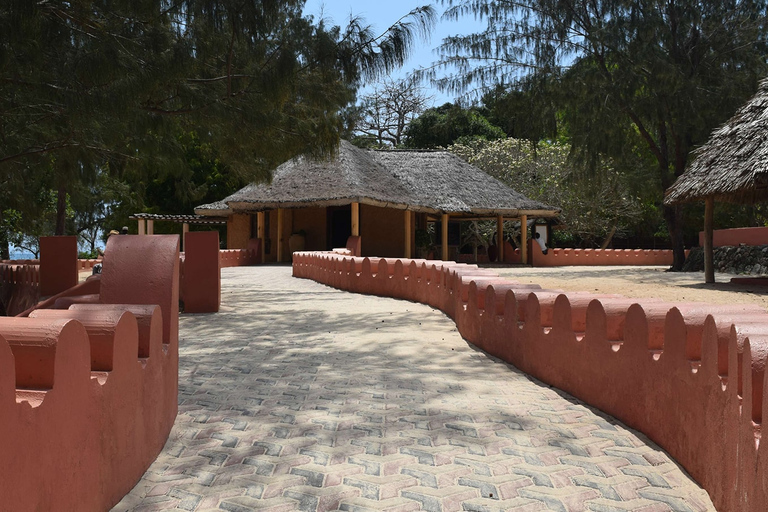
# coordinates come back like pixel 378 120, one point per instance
pixel 423 243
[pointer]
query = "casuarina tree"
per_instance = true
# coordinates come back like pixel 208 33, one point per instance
pixel 665 71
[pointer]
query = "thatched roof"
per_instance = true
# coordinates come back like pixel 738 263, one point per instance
pixel 217 209
pixel 733 165
pixel 426 181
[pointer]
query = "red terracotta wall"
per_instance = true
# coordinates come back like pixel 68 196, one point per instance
pixel 58 264
pixel 736 236
pixel 690 376
pixel 202 272
pixel 88 395
pixel 591 257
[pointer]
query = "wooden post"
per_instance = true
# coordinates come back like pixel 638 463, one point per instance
pixel 355 219
pixel 500 237
pixel 445 237
pixel 142 227
pixel 280 213
pixel 524 239
pixel 184 231
pixel 709 253
pixel 408 234
pixel 150 227
pixel 260 234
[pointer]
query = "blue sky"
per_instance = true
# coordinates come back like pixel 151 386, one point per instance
pixel 382 14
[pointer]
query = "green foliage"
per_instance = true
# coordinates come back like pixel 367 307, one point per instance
pixel 88 88
pixel 444 125
pixel 592 210
pixel 642 75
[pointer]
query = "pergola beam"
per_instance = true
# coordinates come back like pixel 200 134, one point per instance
pixel 408 233
pixel 280 214
pixel 709 256
pixel 500 237
pixel 355 219
pixel 444 238
pixel 524 239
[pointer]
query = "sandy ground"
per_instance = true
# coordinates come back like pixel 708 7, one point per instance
pixel 641 282
pixel 633 282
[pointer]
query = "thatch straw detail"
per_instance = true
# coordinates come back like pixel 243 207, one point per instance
pixel 733 165
pixel 426 181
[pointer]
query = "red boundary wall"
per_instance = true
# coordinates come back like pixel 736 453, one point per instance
pixel 737 236
pixel 689 376
pixel 88 395
pixel 58 264
pixel 202 270
pixel 594 257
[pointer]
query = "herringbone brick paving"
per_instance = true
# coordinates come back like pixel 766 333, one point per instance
pixel 296 396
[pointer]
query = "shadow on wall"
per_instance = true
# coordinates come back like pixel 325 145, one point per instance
pixel 690 376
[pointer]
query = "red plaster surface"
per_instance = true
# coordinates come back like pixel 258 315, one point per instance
pixel 590 257
pixel 58 264
pixel 241 257
pixel 88 395
pixel 736 236
pixel 202 272
pixel 690 376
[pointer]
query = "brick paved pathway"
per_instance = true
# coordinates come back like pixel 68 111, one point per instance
pixel 297 396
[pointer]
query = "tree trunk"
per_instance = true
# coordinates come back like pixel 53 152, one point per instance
pixel 5 250
pixel 608 239
pixel 673 215
pixel 61 210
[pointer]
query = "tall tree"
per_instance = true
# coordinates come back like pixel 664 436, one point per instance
pixel 666 71
pixel 388 109
pixel 88 86
pixel 447 124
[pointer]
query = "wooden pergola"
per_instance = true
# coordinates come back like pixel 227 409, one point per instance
pixel 147 222
pixel 731 167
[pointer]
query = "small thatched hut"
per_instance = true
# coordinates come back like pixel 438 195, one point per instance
pixel 732 166
pixel 381 196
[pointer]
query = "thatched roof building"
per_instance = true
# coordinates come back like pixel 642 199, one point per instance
pixel 417 180
pixel 383 195
pixel 733 165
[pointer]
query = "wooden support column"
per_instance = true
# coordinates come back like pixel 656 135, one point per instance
pixel 408 233
pixel 445 237
pixel 355 219
pixel 261 235
pixel 150 227
pixel 500 237
pixel 280 214
pixel 709 253
pixel 524 239
pixel 142 227
pixel 184 231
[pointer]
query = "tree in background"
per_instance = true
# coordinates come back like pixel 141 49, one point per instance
pixel 88 88
pixel 593 211
pixel 385 112
pixel 447 124
pixel 664 73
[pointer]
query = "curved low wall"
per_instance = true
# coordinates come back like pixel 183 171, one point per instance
pixel 238 257
pixel 19 287
pixel 689 376
pixel 593 257
pixel 88 395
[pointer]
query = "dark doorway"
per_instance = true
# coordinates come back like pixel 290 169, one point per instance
pixel 339 225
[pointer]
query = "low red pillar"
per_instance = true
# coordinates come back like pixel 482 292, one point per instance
pixel 58 264
pixel 202 272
